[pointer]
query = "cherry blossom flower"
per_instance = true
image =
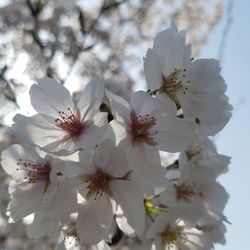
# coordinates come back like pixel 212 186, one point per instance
pixel 202 155
pixel 169 231
pixel 142 128
pixel 197 192
pixel 62 127
pixel 107 182
pixel 196 87
pixel 36 177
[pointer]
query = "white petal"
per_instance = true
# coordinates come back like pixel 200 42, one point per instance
pixel 158 226
pixel 174 134
pixel 102 246
pixel 170 48
pixel 118 164
pixel 10 158
pixel 204 98
pixel 148 173
pixel 61 170
pixel 216 198
pixel 86 161
pixel 205 77
pixel 48 97
pixel 36 130
pixel 93 134
pixel 42 226
pixel 100 119
pixel 196 240
pixel 102 153
pixel 166 105
pixel 130 198
pixel 158 243
pixel 169 196
pixel 153 70
pixel 120 107
pixel 109 134
pixel 219 163
pixel 64 201
pixel 72 157
pixel 111 159
pixel 91 98
pixel 62 147
pixel 143 245
pixel 21 203
pixel 213 113
pixel 122 223
pixel 94 220
pixel 142 103
pixel 188 54
pixel 120 131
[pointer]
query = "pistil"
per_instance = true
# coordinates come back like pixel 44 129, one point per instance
pixel 98 183
pixel 142 129
pixel 35 172
pixel 70 123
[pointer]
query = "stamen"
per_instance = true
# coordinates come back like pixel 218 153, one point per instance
pixel 173 237
pixel 186 191
pixel 74 235
pixel 99 182
pixel 171 84
pixel 142 129
pixel 35 172
pixel 70 122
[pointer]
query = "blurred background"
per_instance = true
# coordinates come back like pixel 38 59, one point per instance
pixel 73 40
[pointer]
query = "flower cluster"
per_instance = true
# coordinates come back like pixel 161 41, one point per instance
pixel 90 168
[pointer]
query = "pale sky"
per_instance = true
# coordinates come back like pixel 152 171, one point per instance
pixel 234 140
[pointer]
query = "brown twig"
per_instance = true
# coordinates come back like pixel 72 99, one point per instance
pixel 82 46
pixel 226 29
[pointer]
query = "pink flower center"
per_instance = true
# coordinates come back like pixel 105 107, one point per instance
pixel 99 182
pixel 142 129
pixel 70 123
pixel 35 172
pixel 194 152
pixel 171 84
pixel 186 191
